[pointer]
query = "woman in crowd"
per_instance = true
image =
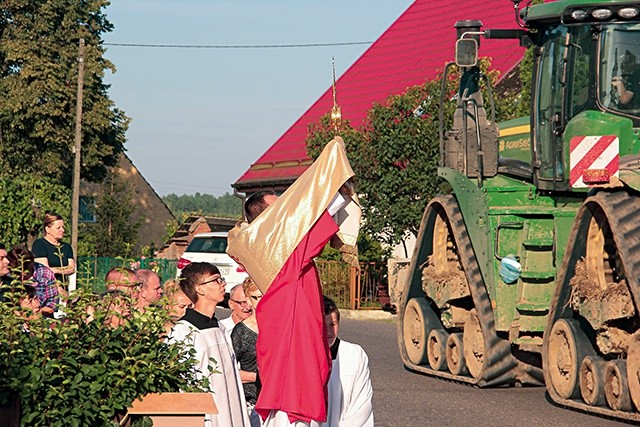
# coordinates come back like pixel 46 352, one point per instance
pixel 244 337
pixel 23 267
pixel 178 302
pixel 49 250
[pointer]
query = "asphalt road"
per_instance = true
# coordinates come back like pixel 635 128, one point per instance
pixel 406 399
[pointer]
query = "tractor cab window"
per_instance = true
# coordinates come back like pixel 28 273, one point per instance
pixel 580 64
pixel 550 86
pixel 619 85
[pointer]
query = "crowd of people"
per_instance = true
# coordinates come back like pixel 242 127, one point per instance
pixel 42 269
pixel 276 360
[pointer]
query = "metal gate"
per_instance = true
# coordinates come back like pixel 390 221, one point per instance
pixel 353 289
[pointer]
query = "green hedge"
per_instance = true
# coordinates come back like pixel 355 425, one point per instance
pixel 85 370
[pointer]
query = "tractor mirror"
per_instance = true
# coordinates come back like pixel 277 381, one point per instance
pixel 466 52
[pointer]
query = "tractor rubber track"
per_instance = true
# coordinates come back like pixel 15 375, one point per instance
pixel 500 367
pixel 621 210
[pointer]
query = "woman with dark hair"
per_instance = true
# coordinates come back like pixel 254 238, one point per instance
pixel 34 274
pixel 50 251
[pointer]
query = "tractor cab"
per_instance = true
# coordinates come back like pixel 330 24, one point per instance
pixel 586 83
pixel 584 78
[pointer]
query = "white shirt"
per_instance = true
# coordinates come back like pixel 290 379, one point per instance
pixel 224 378
pixel 350 391
pixel 227 323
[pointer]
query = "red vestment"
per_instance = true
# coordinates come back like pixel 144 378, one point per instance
pixel 294 361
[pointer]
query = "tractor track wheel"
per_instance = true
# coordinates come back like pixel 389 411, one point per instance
pixel 473 345
pixel 436 350
pixel 633 369
pixel 592 380
pixel 616 387
pixel 419 319
pixel 497 365
pixel 568 346
pixel 455 355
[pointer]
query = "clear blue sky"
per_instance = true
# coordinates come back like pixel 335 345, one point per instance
pixel 200 117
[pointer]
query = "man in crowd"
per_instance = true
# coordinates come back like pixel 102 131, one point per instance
pixel 150 290
pixel 204 285
pixel 277 246
pixel 240 309
pixel 350 391
pixel 123 279
pixel 121 290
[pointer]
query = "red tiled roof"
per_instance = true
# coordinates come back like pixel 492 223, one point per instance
pixel 411 51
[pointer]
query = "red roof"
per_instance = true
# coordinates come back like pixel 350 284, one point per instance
pixel 411 51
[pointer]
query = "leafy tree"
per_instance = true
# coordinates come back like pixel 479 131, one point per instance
pixel 369 250
pixel 395 153
pixel 514 99
pixel 227 205
pixel 38 73
pixel 114 231
pixel 394 156
pixel 23 201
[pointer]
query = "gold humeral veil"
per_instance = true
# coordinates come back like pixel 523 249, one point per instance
pixel 264 246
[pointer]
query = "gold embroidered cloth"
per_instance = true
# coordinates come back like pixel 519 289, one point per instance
pixel 264 246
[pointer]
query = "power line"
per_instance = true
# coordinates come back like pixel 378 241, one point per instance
pixel 231 46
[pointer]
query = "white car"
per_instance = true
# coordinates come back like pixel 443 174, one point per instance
pixel 212 248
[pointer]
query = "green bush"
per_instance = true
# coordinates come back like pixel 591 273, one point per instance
pixel 81 372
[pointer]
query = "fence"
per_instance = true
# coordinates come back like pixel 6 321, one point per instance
pixel 336 277
pixel 372 286
pixel 349 288
pixel 366 289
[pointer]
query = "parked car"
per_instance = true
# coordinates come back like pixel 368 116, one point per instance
pixel 212 247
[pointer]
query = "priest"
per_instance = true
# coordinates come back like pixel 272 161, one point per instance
pixel 277 247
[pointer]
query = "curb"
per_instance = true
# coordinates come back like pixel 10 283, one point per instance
pixel 367 314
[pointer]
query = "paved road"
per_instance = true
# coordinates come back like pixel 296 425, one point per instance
pixel 406 399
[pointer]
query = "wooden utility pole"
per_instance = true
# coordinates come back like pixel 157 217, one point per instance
pixel 75 196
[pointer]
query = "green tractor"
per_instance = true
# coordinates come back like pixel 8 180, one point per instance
pixel 529 272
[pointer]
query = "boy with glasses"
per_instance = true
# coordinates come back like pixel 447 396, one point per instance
pixel 199 328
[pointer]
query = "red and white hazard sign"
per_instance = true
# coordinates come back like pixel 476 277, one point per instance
pixel 593 160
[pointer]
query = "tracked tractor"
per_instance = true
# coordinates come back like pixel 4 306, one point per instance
pixel 528 273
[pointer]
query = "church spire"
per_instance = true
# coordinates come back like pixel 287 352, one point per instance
pixel 336 113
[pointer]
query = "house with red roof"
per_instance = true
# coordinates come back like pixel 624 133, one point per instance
pixel 411 51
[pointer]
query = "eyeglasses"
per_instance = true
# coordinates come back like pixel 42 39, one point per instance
pixel 117 284
pixel 219 280
pixel 245 302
